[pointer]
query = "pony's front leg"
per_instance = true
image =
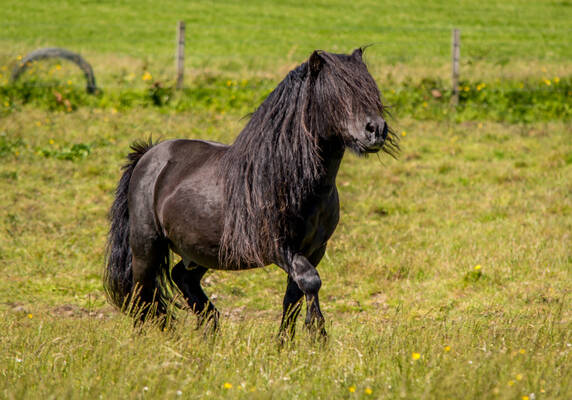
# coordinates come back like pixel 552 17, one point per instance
pixel 291 308
pixel 308 280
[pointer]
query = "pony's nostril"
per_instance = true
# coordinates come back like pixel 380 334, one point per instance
pixel 384 132
pixel 369 127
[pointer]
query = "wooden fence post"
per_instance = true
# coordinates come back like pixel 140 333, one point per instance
pixel 456 52
pixel 180 53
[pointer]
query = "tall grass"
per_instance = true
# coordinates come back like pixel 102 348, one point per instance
pixel 488 356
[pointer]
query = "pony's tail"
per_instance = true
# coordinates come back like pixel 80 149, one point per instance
pixel 118 275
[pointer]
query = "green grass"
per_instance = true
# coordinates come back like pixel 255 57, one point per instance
pixel 261 37
pixel 488 358
pixel 408 312
pixel 398 275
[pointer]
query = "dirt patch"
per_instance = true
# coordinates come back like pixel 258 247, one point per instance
pixel 60 311
pixel 73 311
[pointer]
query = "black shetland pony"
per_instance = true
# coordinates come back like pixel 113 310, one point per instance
pixel 269 198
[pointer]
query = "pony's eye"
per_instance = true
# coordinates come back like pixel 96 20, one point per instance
pixel 369 127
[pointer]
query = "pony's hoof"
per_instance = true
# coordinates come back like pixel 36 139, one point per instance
pixel 285 337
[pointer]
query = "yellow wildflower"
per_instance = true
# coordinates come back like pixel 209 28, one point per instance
pixel 525 397
pixel 556 79
pixel 228 83
pixel 368 391
pixel 447 349
pixel 147 76
pixel 519 377
pixel 403 133
pixel 415 356
pixel 547 82
pixel 30 316
pixel 352 388
pixel 51 141
pixel 58 67
pixel 424 104
pixel 511 383
pixel 477 267
pixel 227 385
pixel 522 351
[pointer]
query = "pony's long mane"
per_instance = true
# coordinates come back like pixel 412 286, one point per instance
pixel 274 163
pixel 271 162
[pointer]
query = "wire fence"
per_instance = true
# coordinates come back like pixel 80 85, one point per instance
pixel 142 38
pixel 143 50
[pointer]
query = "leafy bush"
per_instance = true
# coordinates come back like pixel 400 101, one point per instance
pixel 428 99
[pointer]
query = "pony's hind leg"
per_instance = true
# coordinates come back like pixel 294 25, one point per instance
pixel 188 280
pixel 145 301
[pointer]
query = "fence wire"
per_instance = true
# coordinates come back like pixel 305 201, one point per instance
pixel 139 40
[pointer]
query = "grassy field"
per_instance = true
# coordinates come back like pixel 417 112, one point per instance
pixel 411 38
pixel 449 275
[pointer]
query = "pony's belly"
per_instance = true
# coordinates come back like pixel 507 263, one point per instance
pixel 194 255
pixel 206 257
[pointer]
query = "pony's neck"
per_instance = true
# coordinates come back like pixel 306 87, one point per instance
pixel 331 153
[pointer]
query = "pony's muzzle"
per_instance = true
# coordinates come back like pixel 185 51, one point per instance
pixel 376 133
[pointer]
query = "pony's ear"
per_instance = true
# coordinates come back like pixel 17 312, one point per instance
pixel 316 62
pixel 357 54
